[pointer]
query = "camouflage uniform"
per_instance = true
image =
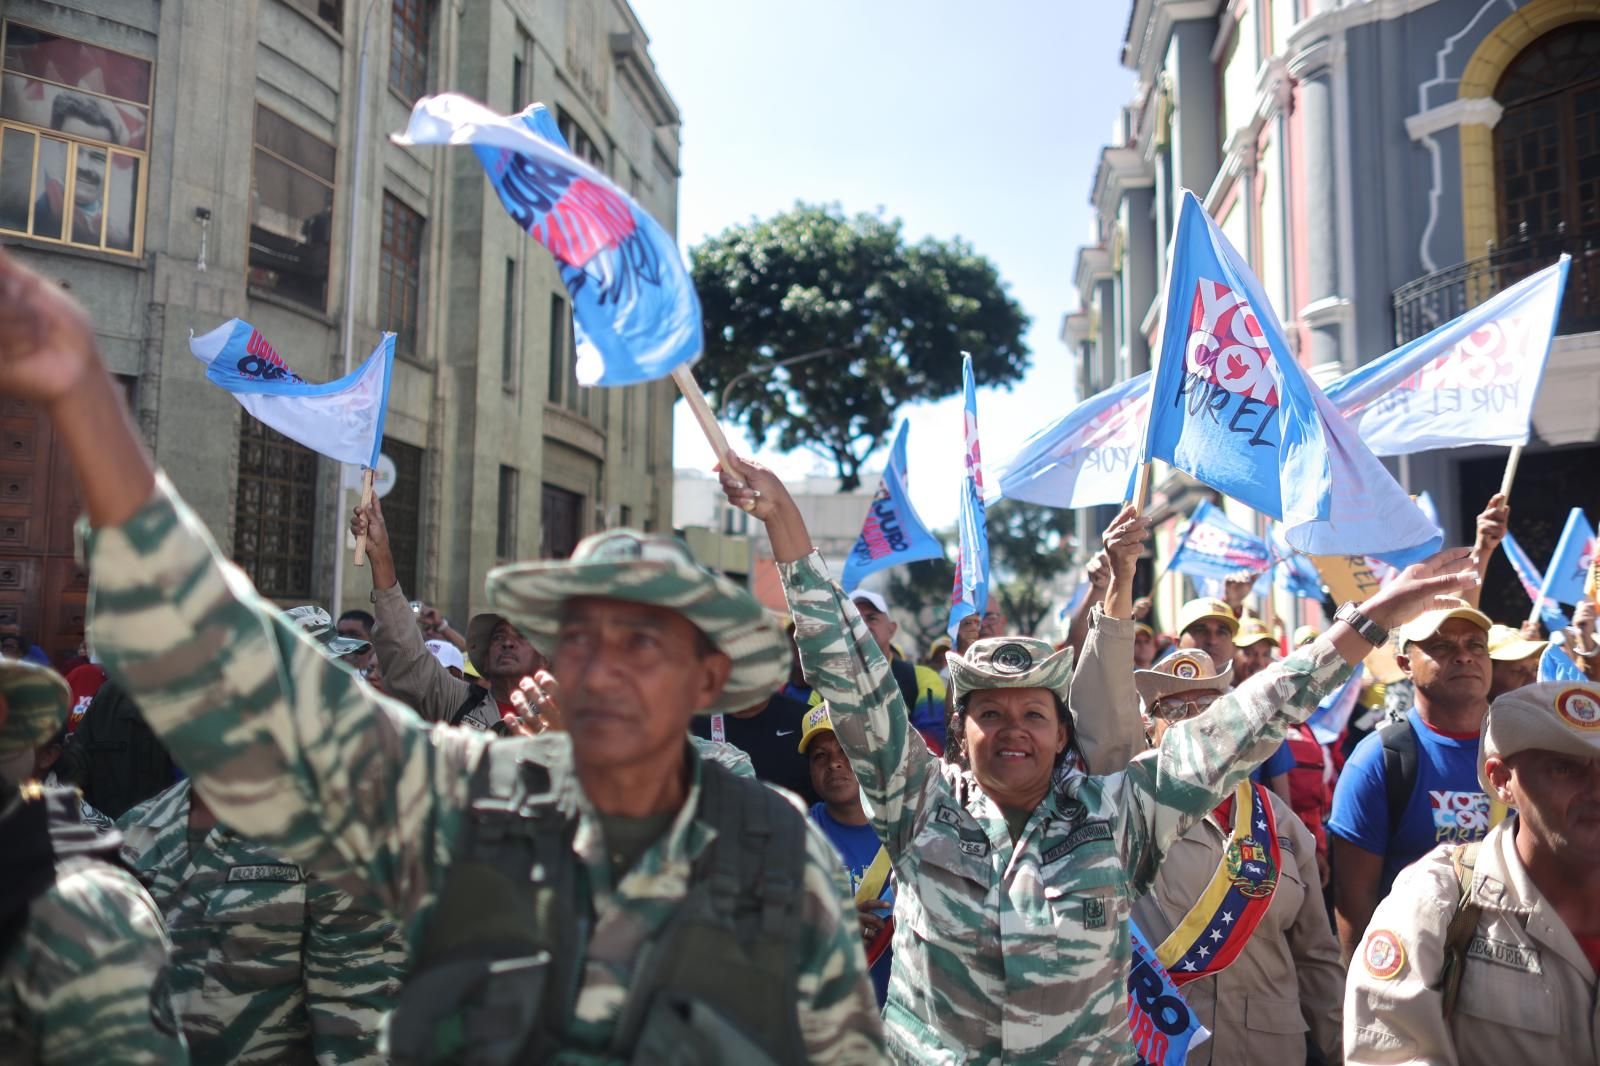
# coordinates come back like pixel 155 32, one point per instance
pixel 1020 952
pixel 82 967
pixel 268 965
pixel 295 751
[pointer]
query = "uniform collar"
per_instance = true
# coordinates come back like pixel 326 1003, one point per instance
pixel 663 869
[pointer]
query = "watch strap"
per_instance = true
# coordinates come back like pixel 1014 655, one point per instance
pixel 1370 631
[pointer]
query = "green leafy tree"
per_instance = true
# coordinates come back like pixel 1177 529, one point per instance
pixel 880 323
pixel 1029 549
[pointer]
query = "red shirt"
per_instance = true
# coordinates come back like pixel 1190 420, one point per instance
pixel 84 681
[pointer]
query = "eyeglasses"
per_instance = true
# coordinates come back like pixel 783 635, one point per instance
pixel 1174 710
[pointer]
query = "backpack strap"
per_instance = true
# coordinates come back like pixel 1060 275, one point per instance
pixel 1463 924
pixel 474 700
pixel 1399 742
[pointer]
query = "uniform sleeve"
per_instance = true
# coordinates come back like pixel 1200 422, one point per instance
pixel 410 672
pixel 1201 760
pixel 1361 799
pixel 90 974
pixel 1391 1014
pixel 1318 970
pixel 838 1010
pixel 354 963
pixel 1104 703
pixel 286 746
pixel 843 663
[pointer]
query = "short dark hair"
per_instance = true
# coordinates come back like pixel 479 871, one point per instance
pixel 71 105
pixel 956 728
pixel 354 615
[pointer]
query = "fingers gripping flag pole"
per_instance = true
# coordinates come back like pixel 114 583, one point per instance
pixel 970 592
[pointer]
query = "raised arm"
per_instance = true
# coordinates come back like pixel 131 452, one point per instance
pixel 1491 530
pixel 842 661
pixel 1105 705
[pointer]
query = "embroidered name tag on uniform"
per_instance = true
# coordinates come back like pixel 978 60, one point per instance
pixel 1084 834
pixel 945 816
pixel 1502 953
pixel 270 871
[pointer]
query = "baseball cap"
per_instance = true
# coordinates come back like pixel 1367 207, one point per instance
pixel 1559 716
pixel 817 720
pixel 1251 631
pixel 876 599
pixel 1147 630
pixel 317 624
pixel 1203 608
pixel 1305 635
pixel 447 653
pixel 36 700
pixel 480 630
pixel 1428 623
pixel 1188 670
pixel 1508 645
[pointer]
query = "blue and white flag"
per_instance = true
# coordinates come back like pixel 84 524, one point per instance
pixel 1211 545
pixel 1563 578
pixel 1471 381
pixel 1086 457
pixel 635 308
pixel 1159 1019
pixel 1232 407
pixel 1531 580
pixel 970 593
pixel 1556 665
pixel 342 419
pixel 1074 601
pixel 1327 722
pixel 892 533
pixel 1292 572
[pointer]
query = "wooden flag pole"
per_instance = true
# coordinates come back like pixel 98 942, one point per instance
pixel 1511 475
pixel 1141 487
pixel 702 413
pixel 366 499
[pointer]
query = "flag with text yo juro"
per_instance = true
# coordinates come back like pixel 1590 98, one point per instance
pixel 1161 1023
pixel 893 532
pixel 636 316
pixel 1231 406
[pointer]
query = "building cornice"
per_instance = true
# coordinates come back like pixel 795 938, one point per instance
pixel 1466 111
pixel 1335 20
pixel 1121 167
pixel 1150 27
pixel 634 67
pixel 1094 266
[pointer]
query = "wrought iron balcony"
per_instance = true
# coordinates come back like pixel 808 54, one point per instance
pixel 1434 299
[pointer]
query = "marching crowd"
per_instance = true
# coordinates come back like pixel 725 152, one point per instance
pixel 250 835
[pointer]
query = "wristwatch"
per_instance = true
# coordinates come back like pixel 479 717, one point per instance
pixel 1370 631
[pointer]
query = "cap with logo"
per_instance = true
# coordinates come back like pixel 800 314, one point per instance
pixel 1011 662
pixel 447 653
pixel 817 720
pixel 36 700
pixel 1186 670
pixel 1559 716
pixel 1508 645
pixel 658 570
pixel 317 624
pixel 1251 631
pixel 1428 623
pixel 1204 608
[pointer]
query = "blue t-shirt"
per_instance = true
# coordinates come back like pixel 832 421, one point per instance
pixel 1279 762
pixel 1447 805
pixel 857 845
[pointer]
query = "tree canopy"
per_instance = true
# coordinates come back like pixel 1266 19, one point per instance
pixel 1029 550
pixel 886 322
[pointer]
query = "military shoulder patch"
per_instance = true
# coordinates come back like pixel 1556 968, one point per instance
pixel 267 871
pixel 1383 955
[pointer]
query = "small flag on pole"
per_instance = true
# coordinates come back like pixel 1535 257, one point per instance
pixel 1211 545
pixel 970 594
pixel 892 532
pixel 1531 580
pixel 342 419
pixel 1569 566
pixel 1086 457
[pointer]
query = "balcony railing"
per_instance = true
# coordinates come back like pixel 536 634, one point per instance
pixel 1434 299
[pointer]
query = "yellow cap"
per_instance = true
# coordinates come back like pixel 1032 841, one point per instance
pixel 1203 608
pixel 1508 645
pixel 1251 631
pixel 816 721
pixel 1428 623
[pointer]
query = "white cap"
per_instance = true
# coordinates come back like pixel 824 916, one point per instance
pixel 874 598
pixel 447 653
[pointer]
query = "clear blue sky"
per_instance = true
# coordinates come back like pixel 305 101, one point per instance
pixel 978 120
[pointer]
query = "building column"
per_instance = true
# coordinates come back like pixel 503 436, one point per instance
pixel 1139 256
pixel 1196 141
pixel 1326 308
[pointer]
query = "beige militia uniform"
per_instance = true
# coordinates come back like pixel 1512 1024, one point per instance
pixel 1287 979
pixel 1528 993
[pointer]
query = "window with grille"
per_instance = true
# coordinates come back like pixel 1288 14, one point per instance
pixel 275 511
pixel 74 129
pixel 1547 142
pixel 291 210
pixel 402 512
pixel 408 48
pixel 400 273
pixel 579 143
pixel 505 539
pixel 561 522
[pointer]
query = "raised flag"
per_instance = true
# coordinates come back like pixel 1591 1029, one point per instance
pixel 1532 581
pixel 1328 721
pixel 1292 572
pixel 1471 381
pixel 1556 665
pixel 892 532
pixel 1211 545
pixel 635 310
pixel 1232 407
pixel 1569 566
pixel 1086 457
pixel 341 419
pixel 970 592
pixel 1161 1023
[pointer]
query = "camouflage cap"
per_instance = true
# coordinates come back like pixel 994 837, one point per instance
pixel 1010 662
pixel 36 701
pixel 623 564
pixel 317 624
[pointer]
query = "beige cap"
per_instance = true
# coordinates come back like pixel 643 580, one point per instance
pixel 1305 635
pixel 1203 608
pixel 1188 670
pixel 1551 715
pixel 1251 631
pixel 1428 623
pixel 1508 645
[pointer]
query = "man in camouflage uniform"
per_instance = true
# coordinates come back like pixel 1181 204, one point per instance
pixel 82 948
pixel 270 964
pixel 295 752
pixel 1011 939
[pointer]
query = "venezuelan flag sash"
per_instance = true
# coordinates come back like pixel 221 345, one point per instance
pixel 1219 925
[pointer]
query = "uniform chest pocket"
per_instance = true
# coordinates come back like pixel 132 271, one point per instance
pixel 1502 995
pixel 256 933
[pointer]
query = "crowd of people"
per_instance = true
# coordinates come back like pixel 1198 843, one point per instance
pixel 256 835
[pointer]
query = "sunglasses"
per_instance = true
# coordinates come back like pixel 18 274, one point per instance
pixel 1175 710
